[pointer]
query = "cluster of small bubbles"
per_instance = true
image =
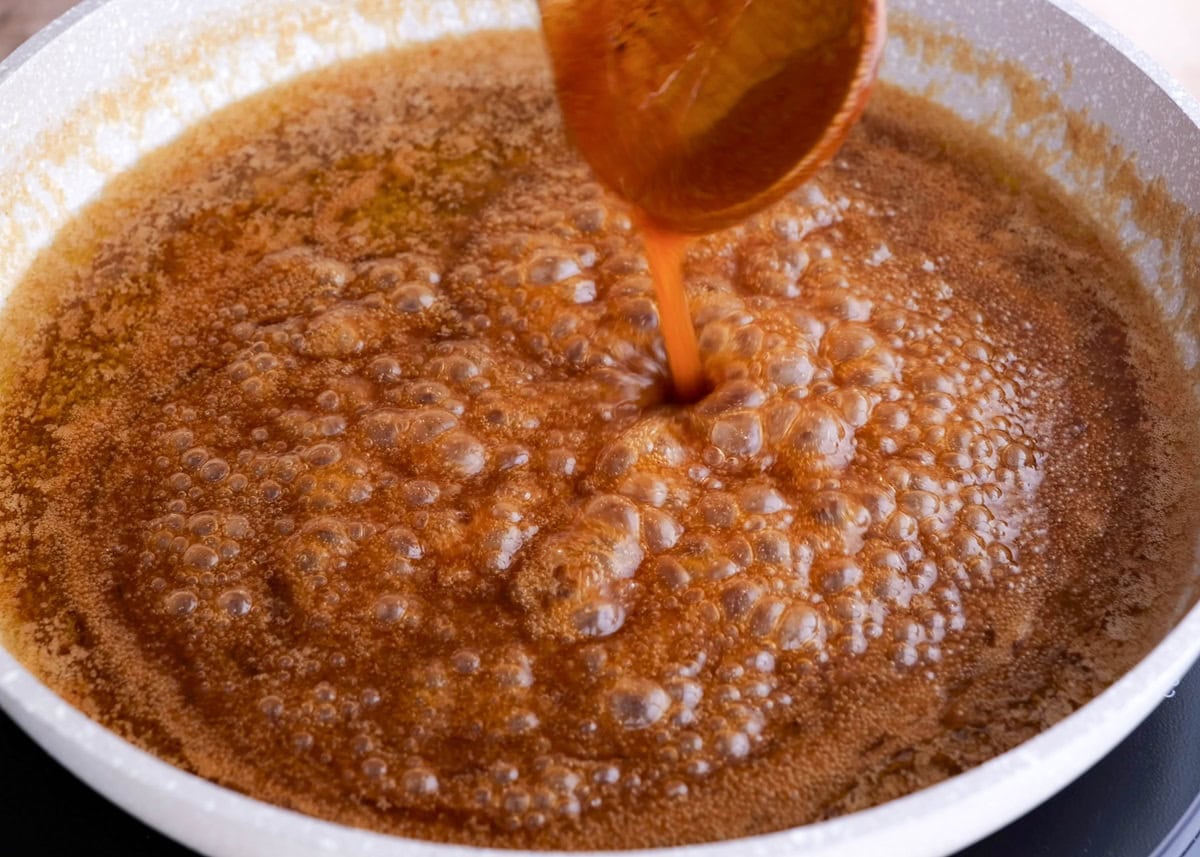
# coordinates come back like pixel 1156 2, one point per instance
pixel 574 577
pixel 202 550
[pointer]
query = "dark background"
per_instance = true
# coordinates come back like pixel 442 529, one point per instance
pixel 19 19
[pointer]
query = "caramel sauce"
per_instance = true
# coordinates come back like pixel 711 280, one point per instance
pixel 665 253
pixel 340 468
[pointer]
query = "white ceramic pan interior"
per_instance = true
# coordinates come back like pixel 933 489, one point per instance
pixel 113 80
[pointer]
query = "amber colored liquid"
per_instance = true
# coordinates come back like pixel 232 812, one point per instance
pixel 665 251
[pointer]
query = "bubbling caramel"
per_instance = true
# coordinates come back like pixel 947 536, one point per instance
pixel 341 470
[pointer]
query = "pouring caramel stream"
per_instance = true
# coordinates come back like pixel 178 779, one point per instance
pixel 665 252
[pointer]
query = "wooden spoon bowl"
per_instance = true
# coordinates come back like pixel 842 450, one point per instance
pixel 701 112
